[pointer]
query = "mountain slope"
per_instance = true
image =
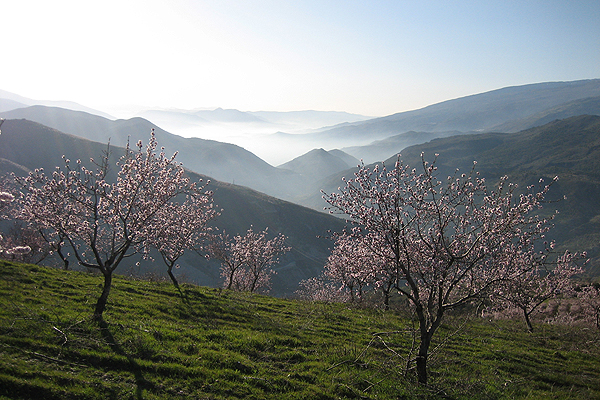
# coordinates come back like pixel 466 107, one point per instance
pixel 471 113
pixel 316 163
pixel 384 148
pixel 222 161
pixel 154 343
pixel 589 106
pixel 30 145
pixel 4 95
pixel 8 104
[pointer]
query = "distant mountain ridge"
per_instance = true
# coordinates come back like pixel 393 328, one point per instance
pixel 318 163
pixel 382 149
pixel 221 161
pixel 21 101
pixel 479 112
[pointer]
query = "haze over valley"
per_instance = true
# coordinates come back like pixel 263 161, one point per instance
pixel 485 127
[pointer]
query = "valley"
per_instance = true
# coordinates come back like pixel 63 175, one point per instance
pixel 527 132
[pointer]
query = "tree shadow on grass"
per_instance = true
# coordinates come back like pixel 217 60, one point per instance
pixel 141 382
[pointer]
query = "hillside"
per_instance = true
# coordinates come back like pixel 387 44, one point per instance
pixel 29 145
pixel 382 149
pixel 589 106
pixel 210 344
pixel 222 161
pixel 318 163
pixel 479 112
pixel 17 101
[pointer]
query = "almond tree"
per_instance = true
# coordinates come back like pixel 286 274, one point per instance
pixel 184 227
pixel 103 222
pixel 354 265
pixel 540 281
pixel 589 296
pixel 450 242
pixel 247 261
pixel 229 253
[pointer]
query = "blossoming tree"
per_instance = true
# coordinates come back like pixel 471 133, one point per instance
pixel 541 280
pixel 449 242
pixel 589 296
pixel 354 266
pixel 184 227
pixel 247 261
pixel 105 222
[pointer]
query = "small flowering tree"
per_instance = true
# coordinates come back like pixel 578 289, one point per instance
pixel 449 242
pixel 247 261
pixel 229 253
pixel 589 297
pixel 354 265
pixel 539 282
pixel 184 227
pixel 6 199
pixel 103 223
pixel 30 246
pixel 319 289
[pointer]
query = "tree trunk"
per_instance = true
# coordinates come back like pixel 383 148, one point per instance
pixel 173 279
pixel 103 299
pixel 422 356
pixel 528 321
pixel 427 330
pixel 63 258
pixel 386 297
pixel 230 283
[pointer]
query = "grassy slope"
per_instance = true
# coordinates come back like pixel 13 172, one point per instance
pixel 222 345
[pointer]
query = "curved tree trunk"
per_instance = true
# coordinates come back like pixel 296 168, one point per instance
pixel 103 299
pixel 231 275
pixel 173 279
pixel 527 321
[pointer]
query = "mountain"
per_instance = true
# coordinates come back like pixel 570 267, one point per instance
pixel 350 160
pixel 479 112
pixel 175 117
pixel 589 106
pixel 289 120
pixel 318 163
pixel 8 104
pixel 308 118
pixel 221 161
pixel 27 145
pixel 568 148
pixel 382 149
pixel 227 115
pixel 24 101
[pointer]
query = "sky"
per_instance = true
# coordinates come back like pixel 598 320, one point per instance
pixel 368 57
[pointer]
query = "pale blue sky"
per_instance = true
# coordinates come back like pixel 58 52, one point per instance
pixel 367 57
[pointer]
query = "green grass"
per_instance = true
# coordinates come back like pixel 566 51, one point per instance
pixel 213 344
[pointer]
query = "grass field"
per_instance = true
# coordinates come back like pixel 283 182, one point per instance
pixel 155 343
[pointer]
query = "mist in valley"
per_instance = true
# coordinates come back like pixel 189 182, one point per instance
pixel 275 137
